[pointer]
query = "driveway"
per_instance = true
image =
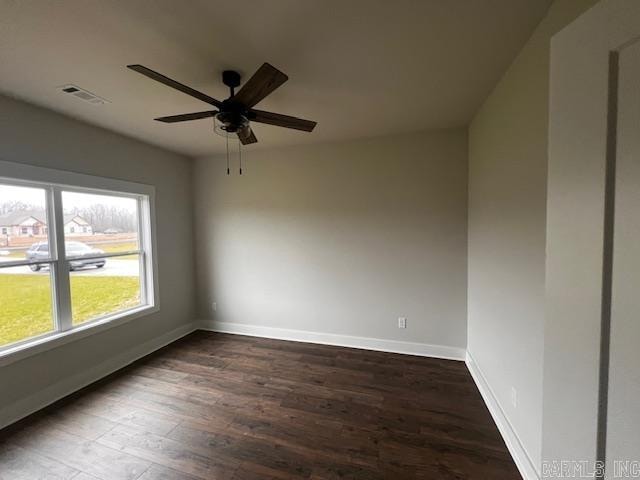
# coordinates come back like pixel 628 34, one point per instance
pixel 113 268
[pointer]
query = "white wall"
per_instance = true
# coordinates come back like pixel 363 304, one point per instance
pixel 507 215
pixel 339 238
pixel 36 136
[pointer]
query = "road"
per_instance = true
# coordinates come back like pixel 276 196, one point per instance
pixel 113 268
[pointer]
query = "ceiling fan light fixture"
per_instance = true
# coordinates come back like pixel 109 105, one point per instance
pixel 228 124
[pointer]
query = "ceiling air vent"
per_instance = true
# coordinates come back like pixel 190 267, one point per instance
pixel 83 94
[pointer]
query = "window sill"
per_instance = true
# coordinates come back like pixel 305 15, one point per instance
pixel 54 340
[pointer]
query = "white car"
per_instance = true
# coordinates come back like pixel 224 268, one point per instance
pixel 40 251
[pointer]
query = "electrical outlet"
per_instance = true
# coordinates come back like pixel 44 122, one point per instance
pixel 514 397
pixel 402 322
pixel 214 306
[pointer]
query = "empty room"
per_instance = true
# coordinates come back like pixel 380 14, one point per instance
pixel 319 239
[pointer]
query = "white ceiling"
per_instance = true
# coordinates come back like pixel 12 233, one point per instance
pixel 359 67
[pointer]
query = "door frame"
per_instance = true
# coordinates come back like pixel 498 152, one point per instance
pixel 580 193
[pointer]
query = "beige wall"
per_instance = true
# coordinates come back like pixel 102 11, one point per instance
pixel 339 238
pixel 36 136
pixel 507 215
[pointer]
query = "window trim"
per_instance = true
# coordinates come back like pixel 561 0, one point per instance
pixel 55 181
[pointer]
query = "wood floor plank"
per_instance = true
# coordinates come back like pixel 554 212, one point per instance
pixel 158 373
pixel 216 406
pixel 17 463
pixel 125 414
pixel 250 472
pixel 80 454
pixel 348 472
pixel 158 472
pixel 246 449
pixel 83 424
pixel 85 476
pixel 168 452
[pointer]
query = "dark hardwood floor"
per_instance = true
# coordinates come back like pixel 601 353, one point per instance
pixel 214 406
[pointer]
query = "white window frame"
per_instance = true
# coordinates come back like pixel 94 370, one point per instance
pixel 54 182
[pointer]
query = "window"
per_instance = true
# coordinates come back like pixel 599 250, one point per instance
pixel 5 231
pixel 118 257
pixel 56 281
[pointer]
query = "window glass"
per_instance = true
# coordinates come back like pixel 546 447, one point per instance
pixel 106 223
pixel 26 305
pixel 104 286
pixel 105 267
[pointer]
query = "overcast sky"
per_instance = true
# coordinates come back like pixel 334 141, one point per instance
pixel 70 200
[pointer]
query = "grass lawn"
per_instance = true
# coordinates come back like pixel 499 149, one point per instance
pixel 25 302
pixel 117 247
pixel 120 247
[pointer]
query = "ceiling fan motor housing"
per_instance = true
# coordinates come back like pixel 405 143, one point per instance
pixel 232 118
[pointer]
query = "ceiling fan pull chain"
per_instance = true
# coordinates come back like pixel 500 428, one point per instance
pixel 228 171
pixel 240 155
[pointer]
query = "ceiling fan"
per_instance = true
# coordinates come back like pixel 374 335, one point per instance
pixel 236 113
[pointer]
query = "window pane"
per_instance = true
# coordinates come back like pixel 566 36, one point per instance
pixel 104 286
pixel 95 224
pixel 26 307
pixel 23 223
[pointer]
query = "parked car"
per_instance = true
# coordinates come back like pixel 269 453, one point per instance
pixel 77 250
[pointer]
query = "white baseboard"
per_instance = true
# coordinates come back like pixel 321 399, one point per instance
pixel 18 410
pixel 516 449
pixel 366 343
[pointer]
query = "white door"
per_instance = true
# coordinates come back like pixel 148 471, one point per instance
pixel 591 393
pixel 623 415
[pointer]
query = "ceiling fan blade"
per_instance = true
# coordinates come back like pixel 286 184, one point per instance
pixel 263 82
pixel 247 136
pixel 186 117
pixel 158 77
pixel 281 120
